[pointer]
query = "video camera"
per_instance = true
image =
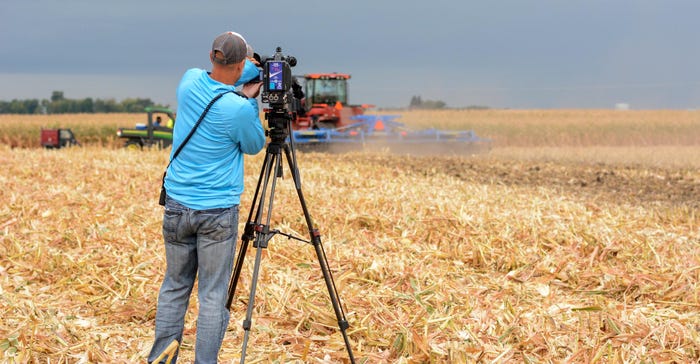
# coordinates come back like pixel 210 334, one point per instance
pixel 280 89
pixel 277 77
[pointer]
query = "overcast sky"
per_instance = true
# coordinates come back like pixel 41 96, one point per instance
pixel 505 54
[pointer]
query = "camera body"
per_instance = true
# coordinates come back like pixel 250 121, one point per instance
pixel 277 79
pixel 280 91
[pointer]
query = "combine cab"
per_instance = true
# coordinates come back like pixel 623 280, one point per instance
pixel 329 123
pixel 156 132
pixel 327 102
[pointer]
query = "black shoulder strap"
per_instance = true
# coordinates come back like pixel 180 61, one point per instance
pixel 196 125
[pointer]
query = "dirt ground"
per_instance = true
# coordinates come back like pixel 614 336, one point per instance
pixel 665 188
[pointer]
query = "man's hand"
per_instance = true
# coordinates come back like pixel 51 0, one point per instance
pixel 251 89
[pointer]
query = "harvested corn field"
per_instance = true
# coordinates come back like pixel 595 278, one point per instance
pixel 520 255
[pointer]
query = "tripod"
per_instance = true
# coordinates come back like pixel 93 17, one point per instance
pixel 261 233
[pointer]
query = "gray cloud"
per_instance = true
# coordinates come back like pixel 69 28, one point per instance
pixel 508 53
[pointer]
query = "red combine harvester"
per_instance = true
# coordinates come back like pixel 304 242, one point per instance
pixel 328 122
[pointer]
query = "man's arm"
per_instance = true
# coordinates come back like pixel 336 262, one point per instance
pixel 249 133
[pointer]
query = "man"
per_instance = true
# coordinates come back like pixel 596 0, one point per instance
pixel 203 185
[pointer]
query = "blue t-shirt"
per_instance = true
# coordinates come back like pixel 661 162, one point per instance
pixel 208 172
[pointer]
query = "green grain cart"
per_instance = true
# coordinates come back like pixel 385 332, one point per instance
pixel 157 132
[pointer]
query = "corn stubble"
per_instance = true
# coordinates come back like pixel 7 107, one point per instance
pixel 436 259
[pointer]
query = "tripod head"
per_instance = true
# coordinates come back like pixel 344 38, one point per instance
pixel 279 123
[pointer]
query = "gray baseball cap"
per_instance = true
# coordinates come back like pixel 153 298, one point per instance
pixel 232 47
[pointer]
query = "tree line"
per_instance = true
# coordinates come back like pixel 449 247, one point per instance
pixel 59 104
pixel 417 102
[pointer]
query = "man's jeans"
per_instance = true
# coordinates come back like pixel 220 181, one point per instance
pixel 195 240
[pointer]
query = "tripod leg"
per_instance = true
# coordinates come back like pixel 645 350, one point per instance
pixel 247 322
pixel 262 236
pixel 320 254
pixel 246 237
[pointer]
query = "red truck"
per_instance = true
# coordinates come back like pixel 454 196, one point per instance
pixel 57 138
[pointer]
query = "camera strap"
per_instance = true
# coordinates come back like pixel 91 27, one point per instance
pixel 196 125
pixel 187 139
